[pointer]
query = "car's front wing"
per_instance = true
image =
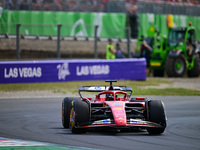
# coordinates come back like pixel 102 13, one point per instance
pixel 130 123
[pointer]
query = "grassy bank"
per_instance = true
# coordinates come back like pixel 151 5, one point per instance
pixel 152 86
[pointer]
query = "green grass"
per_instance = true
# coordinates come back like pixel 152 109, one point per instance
pixel 167 92
pixel 139 87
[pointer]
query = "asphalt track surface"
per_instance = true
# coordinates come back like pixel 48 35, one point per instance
pixel 39 119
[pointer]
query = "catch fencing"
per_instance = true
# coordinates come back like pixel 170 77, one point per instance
pixel 62 26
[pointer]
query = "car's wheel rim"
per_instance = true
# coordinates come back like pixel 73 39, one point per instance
pixel 72 118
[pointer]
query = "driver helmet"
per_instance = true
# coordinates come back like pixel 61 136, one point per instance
pixel 109 97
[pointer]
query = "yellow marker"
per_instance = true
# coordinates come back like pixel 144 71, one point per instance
pixel 156 64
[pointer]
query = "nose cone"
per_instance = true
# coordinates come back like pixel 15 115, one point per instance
pixel 120 121
pixel 118 111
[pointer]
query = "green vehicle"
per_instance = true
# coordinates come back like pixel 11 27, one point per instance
pixel 175 54
pixel 159 55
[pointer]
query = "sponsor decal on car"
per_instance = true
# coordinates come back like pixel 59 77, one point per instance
pixel 118 108
pixel 97 88
pixel 105 121
pixel 117 104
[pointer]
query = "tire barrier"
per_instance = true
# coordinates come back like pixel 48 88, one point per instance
pixel 72 70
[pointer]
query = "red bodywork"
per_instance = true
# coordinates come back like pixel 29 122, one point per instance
pixel 117 106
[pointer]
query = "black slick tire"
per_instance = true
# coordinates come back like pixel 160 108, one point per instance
pixel 66 104
pixel 156 114
pixel 79 114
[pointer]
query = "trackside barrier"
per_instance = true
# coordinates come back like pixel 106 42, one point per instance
pixel 72 70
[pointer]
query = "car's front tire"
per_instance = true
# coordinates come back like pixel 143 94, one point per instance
pixel 66 104
pixel 79 114
pixel 156 113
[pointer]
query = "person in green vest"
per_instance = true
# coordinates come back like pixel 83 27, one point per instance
pixel 110 51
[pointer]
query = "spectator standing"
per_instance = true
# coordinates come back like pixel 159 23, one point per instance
pixel 48 5
pixel 58 5
pixel 131 10
pixel 52 5
pixel 2 3
pixel 145 51
pixel 1 8
pixel 9 5
pixel 190 47
pixel 97 5
pixel 36 4
pixel 110 51
pixel 84 6
pixel 114 6
pixel 198 45
pixel 24 5
pixel 71 5
pixel 119 52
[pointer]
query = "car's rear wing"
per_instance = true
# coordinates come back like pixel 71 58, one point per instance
pixel 104 88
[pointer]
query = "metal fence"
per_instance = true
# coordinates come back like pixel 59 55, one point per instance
pixel 58 38
pixel 130 7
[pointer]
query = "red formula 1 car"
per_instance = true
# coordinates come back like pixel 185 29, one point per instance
pixel 112 108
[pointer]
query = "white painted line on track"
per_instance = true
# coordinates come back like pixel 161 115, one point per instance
pixel 4 142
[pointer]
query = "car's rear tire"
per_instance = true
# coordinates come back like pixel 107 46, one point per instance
pixel 156 113
pixel 66 103
pixel 79 114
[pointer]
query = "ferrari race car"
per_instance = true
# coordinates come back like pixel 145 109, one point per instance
pixel 112 108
